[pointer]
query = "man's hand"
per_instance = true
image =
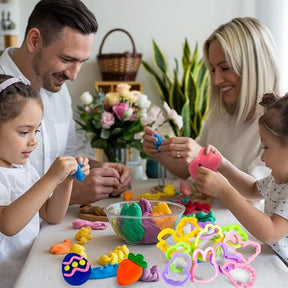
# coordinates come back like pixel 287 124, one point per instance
pixel 101 181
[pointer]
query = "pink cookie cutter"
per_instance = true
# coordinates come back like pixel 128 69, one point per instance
pixel 207 255
pixel 211 161
pixel 234 240
pixel 242 266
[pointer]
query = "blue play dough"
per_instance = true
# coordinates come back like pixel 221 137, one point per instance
pixel 158 142
pixel 79 174
pixel 76 269
pixel 107 271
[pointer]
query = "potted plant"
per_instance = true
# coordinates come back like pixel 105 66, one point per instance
pixel 189 96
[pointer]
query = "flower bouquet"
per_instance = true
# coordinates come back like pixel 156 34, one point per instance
pixel 116 119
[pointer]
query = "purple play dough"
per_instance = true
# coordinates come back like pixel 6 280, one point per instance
pixel 151 230
pixel 145 206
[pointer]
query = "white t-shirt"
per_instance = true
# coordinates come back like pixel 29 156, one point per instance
pixel 239 143
pixel 14 249
pixel 58 135
pixel 276 202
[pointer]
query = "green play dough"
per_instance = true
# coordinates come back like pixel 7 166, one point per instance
pixel 132 228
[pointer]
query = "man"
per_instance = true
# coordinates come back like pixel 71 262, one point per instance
pixel 58 40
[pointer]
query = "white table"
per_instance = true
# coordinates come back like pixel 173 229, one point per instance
pixel 43 269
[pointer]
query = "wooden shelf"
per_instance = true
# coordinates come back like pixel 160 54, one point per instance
pixel 110 86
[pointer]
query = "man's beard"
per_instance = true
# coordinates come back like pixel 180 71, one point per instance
pixel 46 79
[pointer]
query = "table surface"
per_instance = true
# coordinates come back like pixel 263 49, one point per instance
pixel 43 269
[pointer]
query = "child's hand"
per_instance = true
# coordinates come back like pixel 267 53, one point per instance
pixel 214 150
pixel 61 168
pixel 211 183
pixel 84 162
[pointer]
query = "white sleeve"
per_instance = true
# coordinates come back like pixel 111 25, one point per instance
pixel 5 197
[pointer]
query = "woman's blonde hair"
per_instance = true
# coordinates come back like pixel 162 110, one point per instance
pixel 251 53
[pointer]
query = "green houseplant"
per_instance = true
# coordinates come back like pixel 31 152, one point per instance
pixel 189 96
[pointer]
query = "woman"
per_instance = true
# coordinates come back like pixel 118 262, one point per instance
pixel 271 225
pixel 241 57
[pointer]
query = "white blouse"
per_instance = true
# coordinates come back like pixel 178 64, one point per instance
pixel 239 143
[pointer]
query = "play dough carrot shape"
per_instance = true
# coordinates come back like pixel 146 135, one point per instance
pixel 131 269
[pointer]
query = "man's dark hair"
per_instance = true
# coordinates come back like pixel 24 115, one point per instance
pixel 51 16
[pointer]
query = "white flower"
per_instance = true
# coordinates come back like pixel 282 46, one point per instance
pixel 156 113
pixel 138 136
pixel 172 115
pixel 154 116
pixel 86 98
pixel 128 114
pixel 143 101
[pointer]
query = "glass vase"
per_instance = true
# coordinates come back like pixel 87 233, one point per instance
pixel 162 176
pixel 120 155
pixel 116 155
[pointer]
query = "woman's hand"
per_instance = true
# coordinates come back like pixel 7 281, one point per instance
pixel 181 149
pixel 148 140
pixel 175 153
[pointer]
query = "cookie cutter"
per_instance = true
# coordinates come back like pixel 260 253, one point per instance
pixel 170 266
pixel 207 254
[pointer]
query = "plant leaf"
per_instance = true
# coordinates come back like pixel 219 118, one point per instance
pixel 176 96
pixel 186 119
pixel 161 63
pixel 159 82
pixel 186 56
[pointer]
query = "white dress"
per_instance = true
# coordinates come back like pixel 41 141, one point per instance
pixel 276 202
pixel 14 249
pixel 239 143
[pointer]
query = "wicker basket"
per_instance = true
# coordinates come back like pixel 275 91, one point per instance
pixel 119 66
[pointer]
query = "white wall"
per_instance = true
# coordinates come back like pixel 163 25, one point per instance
pixel 166 21
pixel 275 15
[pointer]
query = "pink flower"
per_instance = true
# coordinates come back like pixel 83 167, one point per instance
pixel 107 120
pixel 119 109
pixel 88 109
